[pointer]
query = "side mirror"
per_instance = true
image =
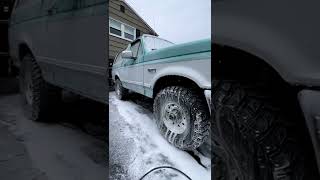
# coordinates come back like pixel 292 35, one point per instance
pixel 127 55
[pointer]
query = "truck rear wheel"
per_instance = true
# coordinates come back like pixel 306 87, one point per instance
pixel 252 138
pixel 121 92
pixel 41 98
pixel 182 117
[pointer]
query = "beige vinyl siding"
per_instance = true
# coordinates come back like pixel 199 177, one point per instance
pixel 128 12
pixel 116 44
pixel 126 18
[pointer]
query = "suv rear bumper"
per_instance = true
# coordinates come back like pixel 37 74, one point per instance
pixel 207 94
pixel 310 104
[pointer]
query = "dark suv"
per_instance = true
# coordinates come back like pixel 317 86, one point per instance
pixel 59 44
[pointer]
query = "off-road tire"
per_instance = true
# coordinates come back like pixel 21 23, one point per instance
pixel 122 92
pixel 252 138
pixel 197 110
pixel 45 97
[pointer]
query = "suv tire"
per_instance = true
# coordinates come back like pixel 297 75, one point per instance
pixel 182 117
pixel 121 92
pixel 40 97
pixel 252 138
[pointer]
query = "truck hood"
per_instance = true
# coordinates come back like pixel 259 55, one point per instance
pixel 179 50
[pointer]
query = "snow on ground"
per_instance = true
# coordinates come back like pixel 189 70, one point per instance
pixel 143 148
pixel 59 151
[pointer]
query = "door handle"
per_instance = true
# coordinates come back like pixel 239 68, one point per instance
pixel 152 70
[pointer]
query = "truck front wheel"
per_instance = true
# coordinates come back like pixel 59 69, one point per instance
pixel 255 136
pixel 182 117
pixel 40 97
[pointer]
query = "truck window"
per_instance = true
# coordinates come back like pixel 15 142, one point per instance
pixel 135 48
pixel 116 59
pixel 17 4
pixel 21 3
pixel 154 43
pixel 63 5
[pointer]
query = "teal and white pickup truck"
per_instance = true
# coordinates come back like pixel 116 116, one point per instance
pixel 177 77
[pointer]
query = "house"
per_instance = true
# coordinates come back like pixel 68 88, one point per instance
pixel 125 25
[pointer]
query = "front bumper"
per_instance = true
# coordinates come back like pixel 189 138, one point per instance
pixel 207 94
pixel 310 104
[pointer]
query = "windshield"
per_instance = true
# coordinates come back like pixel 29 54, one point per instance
pixel 154 43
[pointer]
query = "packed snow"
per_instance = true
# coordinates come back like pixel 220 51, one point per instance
pixel 135 138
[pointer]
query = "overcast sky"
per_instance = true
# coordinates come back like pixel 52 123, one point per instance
pixel 176 20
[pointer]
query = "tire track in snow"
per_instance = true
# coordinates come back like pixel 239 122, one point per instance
pixel 151 149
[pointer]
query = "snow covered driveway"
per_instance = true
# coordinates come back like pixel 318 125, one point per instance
pixel 60 150
pixel 136 146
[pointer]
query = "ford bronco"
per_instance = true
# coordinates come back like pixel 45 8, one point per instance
pixel 59 44
pixel 177 77
pixel 266 82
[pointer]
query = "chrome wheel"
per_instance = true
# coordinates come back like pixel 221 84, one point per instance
pixel 175 118
pixel 182 117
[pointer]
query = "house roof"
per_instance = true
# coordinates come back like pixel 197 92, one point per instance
pixel 154 32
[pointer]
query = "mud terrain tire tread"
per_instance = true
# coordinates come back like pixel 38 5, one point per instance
pixel 260 128
pixel 46 97
pixel 199 116
pixel 123 91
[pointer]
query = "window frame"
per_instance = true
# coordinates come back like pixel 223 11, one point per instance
pixel 138 41
pixel 115 28
pixel 117 59
pixel 122 30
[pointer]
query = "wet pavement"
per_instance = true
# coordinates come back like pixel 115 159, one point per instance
pixel 73 147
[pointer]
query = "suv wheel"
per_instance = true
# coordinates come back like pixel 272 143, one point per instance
pixel 252 138
pixel 121 92
pixel 182 117
pixel 40 97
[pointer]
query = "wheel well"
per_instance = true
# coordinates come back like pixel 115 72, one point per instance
pixel 23 50
pixel 232 63
pixel 235 64
pixel 171 80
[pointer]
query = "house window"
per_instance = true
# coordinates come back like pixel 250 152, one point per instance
pixel 115 27
pixel 121 30
pixel 129 32
pixel 122 9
